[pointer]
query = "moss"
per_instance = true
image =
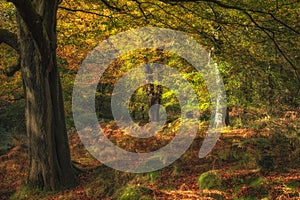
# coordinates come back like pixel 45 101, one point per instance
pixel 293 184
pixel 29 192
pixel 209 180
pixel 135 192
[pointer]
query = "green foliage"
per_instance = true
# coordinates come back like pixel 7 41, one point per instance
pixel 254 72
pixel 138 105
pixel 256 183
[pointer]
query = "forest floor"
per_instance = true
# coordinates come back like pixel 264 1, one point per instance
pixel 246 163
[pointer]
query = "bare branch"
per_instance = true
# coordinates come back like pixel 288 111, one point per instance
pixel 83 11
pixel 284 24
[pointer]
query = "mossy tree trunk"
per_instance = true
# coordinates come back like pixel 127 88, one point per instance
pixel 50 166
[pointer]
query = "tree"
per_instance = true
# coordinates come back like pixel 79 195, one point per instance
pixel 49 154
pixel 154 93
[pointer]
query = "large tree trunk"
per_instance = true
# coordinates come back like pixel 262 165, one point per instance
pixel 50 165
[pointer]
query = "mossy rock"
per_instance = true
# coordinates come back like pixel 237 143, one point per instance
pixel 266 163
pixel 209 180
pixel 252 188
pixel 136 192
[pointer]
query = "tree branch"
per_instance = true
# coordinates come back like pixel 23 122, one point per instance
pixel 224 5
pixel 35 26
pixel 275 43
pixel 112 7
pixel 141 9
pixel 9 38
pixel 83 11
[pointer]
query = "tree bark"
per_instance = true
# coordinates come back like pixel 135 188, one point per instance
pixel 50 164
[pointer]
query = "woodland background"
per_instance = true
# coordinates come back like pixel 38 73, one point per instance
pixel 257 48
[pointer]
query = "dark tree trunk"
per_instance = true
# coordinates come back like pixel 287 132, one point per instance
pixel 154 93
pixel 50 166
pixel 227 121
pixel 155 98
